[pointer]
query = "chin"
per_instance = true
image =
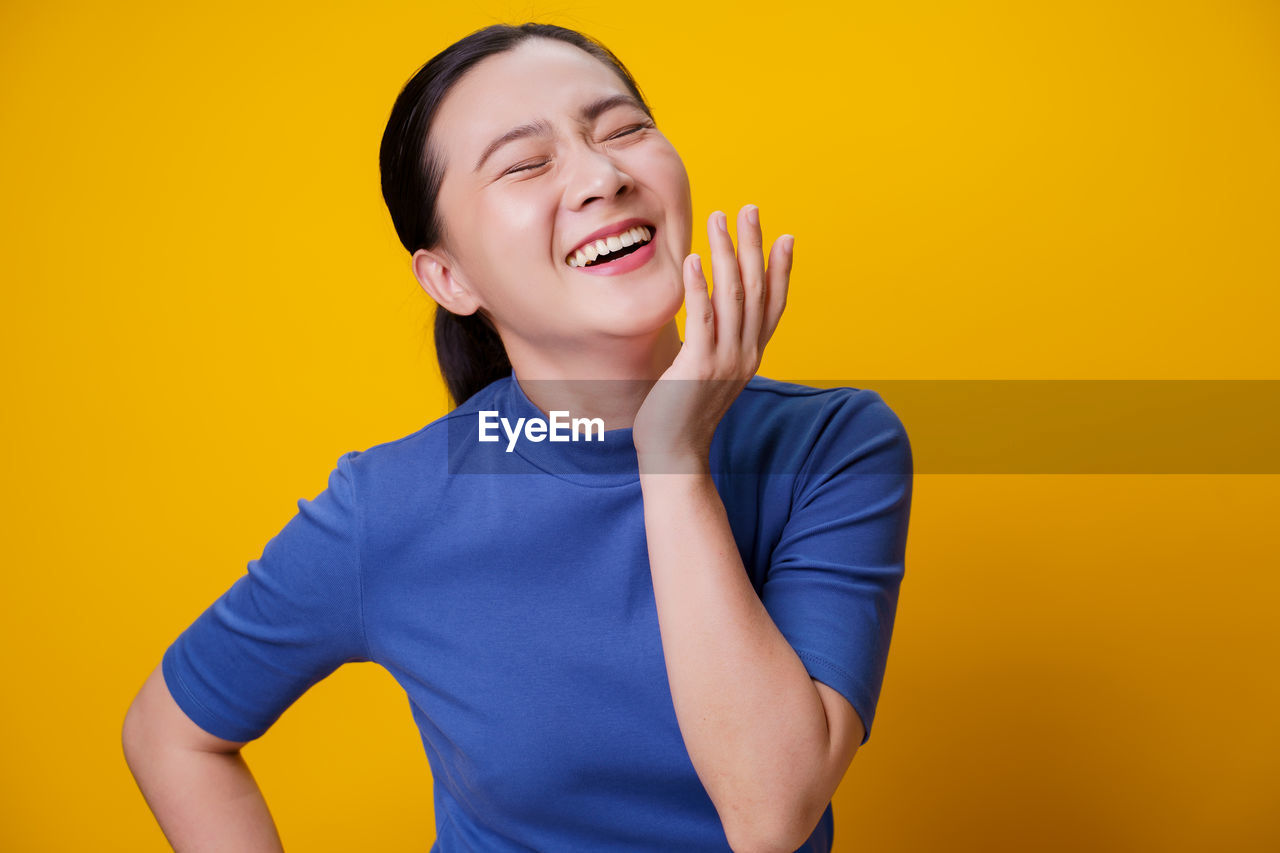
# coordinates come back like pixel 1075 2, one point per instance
pixel 635 319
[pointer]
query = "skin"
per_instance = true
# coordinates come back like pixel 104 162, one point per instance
pixel 769 743
pixel 557 322
pixel 197 785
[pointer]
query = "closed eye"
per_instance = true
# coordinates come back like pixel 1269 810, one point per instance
pixel 630 130
pixel 627 131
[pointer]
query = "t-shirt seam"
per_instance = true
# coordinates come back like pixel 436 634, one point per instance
pixel 793 389
pixel 826 662
pixel 419 432
pixel 808 455
pixel 630 481
pixel 856 687
pixel 359 555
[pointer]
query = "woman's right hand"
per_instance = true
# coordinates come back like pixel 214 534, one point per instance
pixel 725 336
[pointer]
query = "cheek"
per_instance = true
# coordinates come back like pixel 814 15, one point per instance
pixel 508 212
pixel 666 169
pixel 672 182
pixel 520 218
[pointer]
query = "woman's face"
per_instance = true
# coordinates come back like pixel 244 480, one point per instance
pixel 511 223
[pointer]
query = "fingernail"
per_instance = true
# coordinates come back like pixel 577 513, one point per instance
pixel 697 264
pixel 753 215
pixel 723 221
pixel 791 242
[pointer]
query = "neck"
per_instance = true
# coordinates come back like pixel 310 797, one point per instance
pixel 608 382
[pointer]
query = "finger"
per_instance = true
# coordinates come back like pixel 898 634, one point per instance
pixel 751 264
pixel 779 276
pixel 700 315
pixel 727 295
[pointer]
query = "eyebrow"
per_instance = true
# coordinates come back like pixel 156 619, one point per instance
pixel 541 127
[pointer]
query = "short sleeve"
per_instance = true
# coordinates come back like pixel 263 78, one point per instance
pixel 834 575
pixel 289 621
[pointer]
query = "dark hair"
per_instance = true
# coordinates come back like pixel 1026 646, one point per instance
pixel 470 352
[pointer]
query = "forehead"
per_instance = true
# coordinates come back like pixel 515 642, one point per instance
pixel 540 78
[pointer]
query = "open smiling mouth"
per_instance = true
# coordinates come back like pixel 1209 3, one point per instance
pixel 602 253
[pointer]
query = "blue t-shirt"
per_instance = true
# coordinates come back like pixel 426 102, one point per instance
pixel 509 593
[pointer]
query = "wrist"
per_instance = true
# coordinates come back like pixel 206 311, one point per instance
pixel 673 460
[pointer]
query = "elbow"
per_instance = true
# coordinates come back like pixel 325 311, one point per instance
pixel 135 738
pixel 129 732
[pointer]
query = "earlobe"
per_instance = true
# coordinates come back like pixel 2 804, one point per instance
pixel 435 272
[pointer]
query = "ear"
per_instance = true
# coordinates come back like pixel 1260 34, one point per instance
pixel 435 271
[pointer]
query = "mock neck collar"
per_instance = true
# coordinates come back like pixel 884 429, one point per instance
pixel 608 462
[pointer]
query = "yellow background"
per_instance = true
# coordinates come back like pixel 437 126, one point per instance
pixel 205 305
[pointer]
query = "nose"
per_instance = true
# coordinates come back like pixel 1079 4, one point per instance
pixel 596 174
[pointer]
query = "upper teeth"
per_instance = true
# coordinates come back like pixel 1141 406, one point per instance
pixel 605 245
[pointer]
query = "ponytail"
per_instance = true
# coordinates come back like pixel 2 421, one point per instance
pixel 470 353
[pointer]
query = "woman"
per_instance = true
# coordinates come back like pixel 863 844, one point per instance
pixel 670 637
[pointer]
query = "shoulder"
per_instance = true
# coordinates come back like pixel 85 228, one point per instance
pixel 799 425
pixel 793 402
pixel 423 454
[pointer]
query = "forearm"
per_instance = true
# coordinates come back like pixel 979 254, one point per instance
pixel 750 716
pixel 203 801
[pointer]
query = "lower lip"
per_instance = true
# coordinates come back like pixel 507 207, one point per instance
pixel 632 261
